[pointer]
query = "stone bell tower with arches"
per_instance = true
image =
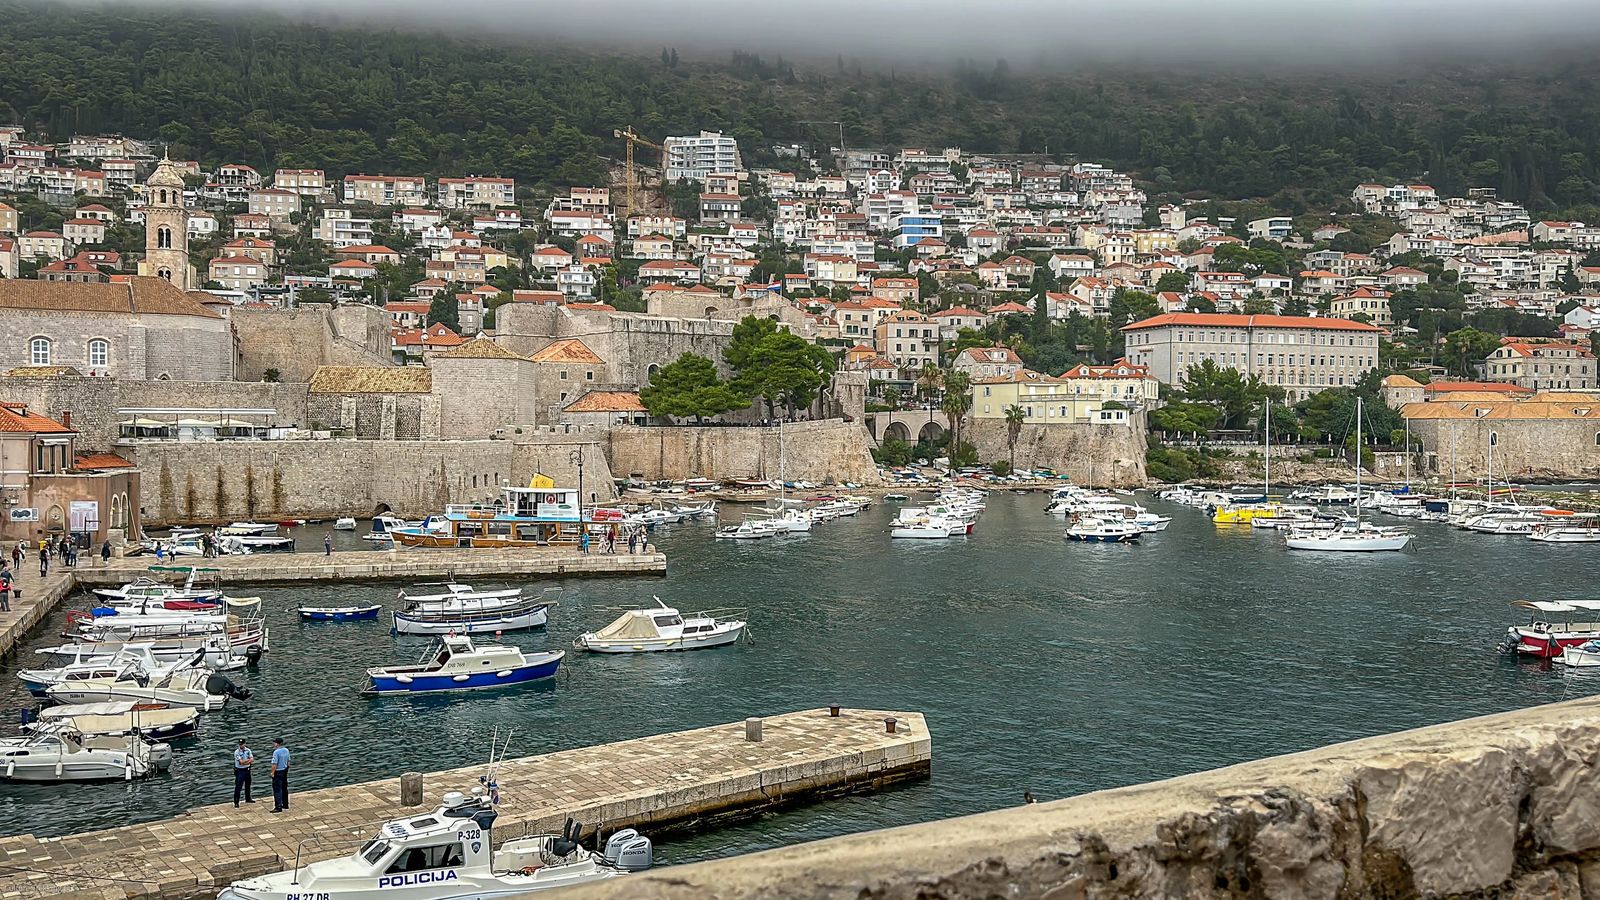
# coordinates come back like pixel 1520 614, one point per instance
pixel 166 229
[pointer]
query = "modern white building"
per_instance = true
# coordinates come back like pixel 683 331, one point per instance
pixel 1302 355
pixel 697 156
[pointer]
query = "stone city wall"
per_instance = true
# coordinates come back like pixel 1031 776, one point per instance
pixel 1566 449
pixel 94 402
pixel 1092 455
pixel 295 342
pixel 813 451
pixel 1503 806
pixel 274 480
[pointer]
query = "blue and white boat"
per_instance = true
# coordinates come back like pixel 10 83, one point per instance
pixel 458 665
pixel 339 613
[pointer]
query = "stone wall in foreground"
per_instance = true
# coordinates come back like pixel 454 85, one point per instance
pixel 1505 806
pixel 1093 455
pixel 812 451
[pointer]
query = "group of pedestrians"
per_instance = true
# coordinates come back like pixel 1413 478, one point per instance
pixel 608 542
pixel 244 758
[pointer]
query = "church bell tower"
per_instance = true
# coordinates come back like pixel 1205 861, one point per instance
pixel 166 229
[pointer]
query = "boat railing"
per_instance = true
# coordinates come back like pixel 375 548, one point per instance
pixel 318 840
pixel 725 612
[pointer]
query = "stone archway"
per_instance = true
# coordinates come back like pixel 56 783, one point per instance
pixel 930 433
pixel 897 431
pixel 382 509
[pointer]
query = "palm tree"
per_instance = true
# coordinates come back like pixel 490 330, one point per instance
pixel 957 402
pixel 1015 416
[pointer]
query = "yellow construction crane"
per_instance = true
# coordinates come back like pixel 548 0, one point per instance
pixel 633 137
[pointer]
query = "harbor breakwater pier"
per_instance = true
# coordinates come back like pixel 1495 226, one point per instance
pixel 686 779
pixel 40 597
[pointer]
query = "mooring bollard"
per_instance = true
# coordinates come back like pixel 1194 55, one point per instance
pixel 889 725
pixel 411 789
pixel 833 711
pixel 752 730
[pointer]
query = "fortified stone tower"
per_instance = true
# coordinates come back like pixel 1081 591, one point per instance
pixel 166 229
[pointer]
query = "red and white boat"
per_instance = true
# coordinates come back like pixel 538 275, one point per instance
pixel 1554 625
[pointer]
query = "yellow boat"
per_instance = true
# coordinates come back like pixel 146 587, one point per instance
pixel 1241 515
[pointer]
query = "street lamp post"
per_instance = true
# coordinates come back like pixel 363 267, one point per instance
pixel 576 456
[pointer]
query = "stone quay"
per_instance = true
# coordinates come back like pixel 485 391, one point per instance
pixel 680 780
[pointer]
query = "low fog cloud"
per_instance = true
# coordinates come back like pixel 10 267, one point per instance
pixel 1024 32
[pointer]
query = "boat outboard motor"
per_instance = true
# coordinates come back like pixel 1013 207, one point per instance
pixel 217 684
pixel 252 654
pixel 629 851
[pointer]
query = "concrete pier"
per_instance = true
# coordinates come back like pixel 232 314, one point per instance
pixel 398 564
pixel 682 779
pixel 40 596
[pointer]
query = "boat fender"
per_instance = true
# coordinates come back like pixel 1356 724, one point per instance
pixel 403 679
pixel 460 677
pixel 502 673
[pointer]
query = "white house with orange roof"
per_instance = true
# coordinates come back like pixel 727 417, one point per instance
pixel 987 362
pixel 1542 365
pixel 952 320
pixel 908 339
pixel 1300 354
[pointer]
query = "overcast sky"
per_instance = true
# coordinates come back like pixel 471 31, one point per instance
pixel 1021 31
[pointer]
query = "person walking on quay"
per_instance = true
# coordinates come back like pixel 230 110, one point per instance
pixel 5 588
pixel 327 543
pixel 243 759
pixel 18 554
pixel 44 561
pixel 105 553
pixel 583 541
pixel 280 775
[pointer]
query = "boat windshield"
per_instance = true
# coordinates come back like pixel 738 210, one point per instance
pixel 374 850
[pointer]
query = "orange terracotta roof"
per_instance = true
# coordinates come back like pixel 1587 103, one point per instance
pixel 16 418
pixel 570 350
pixel 606 402
pixel 1498 387
pixel 101 461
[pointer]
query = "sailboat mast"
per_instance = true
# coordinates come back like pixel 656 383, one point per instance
pixel 1407 420
pixel 1266 489
pixel 1358 461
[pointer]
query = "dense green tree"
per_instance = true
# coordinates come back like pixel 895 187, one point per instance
pixel 689 388
pixel 1173 281
pixel 776 365
pixel 1464 348
pixel 1230 391
pixel 443 309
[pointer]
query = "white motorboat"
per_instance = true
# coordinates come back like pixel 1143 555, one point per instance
pixel 345 523
pixel 1329 495
pixel 1092 529
pixel 219 656
pixel 453 592
pixel 1577 529
pixel 266 543
pixel 664 628
pixel 918 524
pixel 241 625
pixel 129 661
pixel 1582 656
pixel 145 590
pixel 490 617
pixel 749 530
pixel 706 511
pixel 256 528
pixel 195 688
pixel 59 754
pixel 448 854
pixel 1150 523
pixel 1520 521
pixel 153 721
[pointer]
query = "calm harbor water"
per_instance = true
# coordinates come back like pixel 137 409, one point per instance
pixel 1044 666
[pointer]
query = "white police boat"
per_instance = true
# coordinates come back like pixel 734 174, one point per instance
pixel 458 665
pixel 448 854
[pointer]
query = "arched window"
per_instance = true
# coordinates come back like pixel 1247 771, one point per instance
pixel 164 238
pixel 39 351
pixel 1494 439
pixel 164 273
pixel 99 353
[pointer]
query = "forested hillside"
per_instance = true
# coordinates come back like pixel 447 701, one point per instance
pixel 272 92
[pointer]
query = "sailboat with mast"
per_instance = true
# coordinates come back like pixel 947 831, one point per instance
pixel 1354 535
pixel 1244 513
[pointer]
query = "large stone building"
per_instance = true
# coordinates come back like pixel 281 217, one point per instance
pixel 166 229
pixel 1472 434
pixel 1302 355
pixel 1541 366
pixel 139 327
pixel 48 489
